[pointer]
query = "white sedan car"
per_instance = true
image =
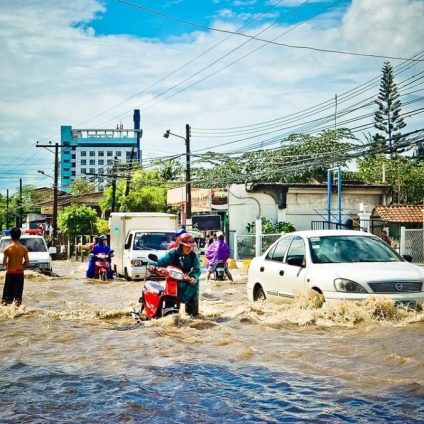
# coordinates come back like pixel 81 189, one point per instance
pixel 339 264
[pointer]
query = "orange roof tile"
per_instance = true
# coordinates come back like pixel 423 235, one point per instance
pixel 400 213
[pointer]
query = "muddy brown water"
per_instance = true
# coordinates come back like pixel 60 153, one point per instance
pixel 73 353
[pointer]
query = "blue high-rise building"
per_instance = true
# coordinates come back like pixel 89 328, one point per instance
pixel 92 151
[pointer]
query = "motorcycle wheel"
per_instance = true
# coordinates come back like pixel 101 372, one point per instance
pixel 103 276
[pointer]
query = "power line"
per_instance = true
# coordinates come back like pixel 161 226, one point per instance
pixel 156 12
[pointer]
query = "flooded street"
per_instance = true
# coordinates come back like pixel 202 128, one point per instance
pixel 72 353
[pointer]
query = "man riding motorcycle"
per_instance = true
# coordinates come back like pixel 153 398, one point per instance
pixel 186 259
pixel 100 247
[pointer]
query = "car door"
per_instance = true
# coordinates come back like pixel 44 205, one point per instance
pixel 272 266
pixel 292 277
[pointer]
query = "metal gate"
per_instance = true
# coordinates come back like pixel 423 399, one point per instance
pixel 412 243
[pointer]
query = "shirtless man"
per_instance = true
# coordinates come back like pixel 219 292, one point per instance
pixel 15 258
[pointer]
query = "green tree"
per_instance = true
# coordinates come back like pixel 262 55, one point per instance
pixel 169 170
pixel 77 219
pixel 147 194
pixel 81 186
pixel 387 118
pixel 102 226
pixel 401 172
pixel 301 158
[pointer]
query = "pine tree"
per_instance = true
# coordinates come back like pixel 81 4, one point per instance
pixel 387 119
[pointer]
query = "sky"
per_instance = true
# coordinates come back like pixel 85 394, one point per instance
pixel 90 63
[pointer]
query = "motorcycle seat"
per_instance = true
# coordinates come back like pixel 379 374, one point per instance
pixel 154 287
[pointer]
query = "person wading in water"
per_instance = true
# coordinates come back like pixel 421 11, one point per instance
pixel 15 259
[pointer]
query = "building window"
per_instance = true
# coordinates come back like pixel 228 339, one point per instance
pixel 101 162
pixel 92 170
pixel 66 169
pixel 101 153
pixel 73 155
pixel 73 173
pixel 92 161
pixel 83 153
pixel 109 161
pixel 101 170
pixel 83 171
pixel 109 153
pixel 66 161
pixel 92 153
pixel 83 162
pixel 118 153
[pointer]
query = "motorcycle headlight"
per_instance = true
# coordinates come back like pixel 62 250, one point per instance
pixel 177 275
pixel 138 263
pixel 348 286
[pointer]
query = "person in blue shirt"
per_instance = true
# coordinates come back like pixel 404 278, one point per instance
pixel 186 259
pixel 100 247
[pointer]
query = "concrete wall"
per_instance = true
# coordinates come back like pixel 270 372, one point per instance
pixel 304 205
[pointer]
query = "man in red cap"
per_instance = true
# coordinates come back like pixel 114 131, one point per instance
pixel 186 259
pixel 178 234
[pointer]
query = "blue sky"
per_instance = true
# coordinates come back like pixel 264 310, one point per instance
pixel 120 18
pixel 90 63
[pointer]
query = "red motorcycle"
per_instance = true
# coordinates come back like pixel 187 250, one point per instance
pixel 101 265
pixel 160 298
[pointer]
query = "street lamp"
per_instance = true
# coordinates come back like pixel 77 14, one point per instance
pixel 188 173
pixel 47 175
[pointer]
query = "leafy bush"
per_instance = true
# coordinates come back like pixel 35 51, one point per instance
pixel 268 227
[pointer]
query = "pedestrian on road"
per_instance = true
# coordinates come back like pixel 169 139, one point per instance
pixel 385 237
pixel 15 259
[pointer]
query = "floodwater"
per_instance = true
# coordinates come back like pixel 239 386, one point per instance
pixel 72 353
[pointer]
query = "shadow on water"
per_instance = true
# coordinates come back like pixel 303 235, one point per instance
pixel 196 394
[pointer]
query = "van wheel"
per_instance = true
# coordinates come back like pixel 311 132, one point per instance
pixel 258 293
pixel 126 275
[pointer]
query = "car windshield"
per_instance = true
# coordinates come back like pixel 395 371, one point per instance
pixel 345 249
pixel 33 244
pixel 152 241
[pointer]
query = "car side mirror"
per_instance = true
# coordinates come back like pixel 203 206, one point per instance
pixel 52 250
pixel 295 261
pixel 407 258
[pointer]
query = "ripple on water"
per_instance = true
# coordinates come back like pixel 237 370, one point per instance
pixel 196 393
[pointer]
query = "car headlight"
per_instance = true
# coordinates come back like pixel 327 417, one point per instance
pixel 348 286
pixel 138 263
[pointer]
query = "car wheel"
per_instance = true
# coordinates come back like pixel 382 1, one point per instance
pixel 258 293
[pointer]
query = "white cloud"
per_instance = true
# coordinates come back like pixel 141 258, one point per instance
pixel 53 73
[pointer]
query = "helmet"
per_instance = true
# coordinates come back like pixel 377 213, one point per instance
pixel 102 237
pixel 187 239
pixel 180 232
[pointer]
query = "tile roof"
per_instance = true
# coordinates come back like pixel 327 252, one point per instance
pixel 400 213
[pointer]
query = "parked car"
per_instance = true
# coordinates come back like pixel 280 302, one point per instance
pixel 38 252
pixel 339 264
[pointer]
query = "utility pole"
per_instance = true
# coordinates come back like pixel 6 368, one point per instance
pixel 19 214
pixel 55 184
pixel 130 167
pixel 7 208
pixel 167 133
pixel 188 177
pixel 56 180
pixel 114 176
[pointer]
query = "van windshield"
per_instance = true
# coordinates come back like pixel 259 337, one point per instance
pixel 152 241
pixel 36 244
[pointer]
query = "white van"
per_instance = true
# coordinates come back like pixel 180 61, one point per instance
pixel 38 252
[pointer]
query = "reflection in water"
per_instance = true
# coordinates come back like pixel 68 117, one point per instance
pixel 196 393
pixel 72 353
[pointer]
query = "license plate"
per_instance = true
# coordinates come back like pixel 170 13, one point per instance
pixel 406 304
